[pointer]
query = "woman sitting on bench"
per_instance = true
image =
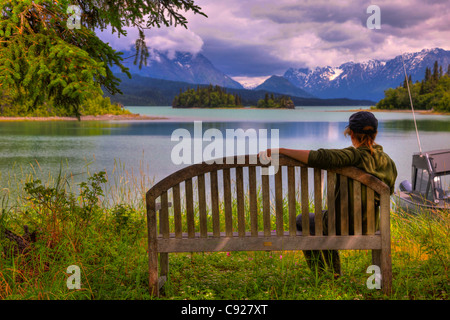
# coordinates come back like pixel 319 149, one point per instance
pixel 365 154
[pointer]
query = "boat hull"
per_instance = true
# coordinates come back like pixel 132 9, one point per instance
pixel 412 204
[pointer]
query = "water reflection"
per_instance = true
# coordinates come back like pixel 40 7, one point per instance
pixel 146 145
pixel 422 125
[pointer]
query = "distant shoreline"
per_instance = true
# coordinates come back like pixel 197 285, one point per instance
pixel 426 112
pixel 249 107
pixel 105 117
pixel 128 117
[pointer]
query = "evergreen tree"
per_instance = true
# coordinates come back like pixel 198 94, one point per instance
pixel 405 83
pixel 276 102
pixel 429 94
pixel 44 61
pixel 209 97
pixel 435 75
pixel 427 74
pixel 422 87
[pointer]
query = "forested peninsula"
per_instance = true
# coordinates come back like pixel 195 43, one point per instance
pixel 432 93
pixel 217 97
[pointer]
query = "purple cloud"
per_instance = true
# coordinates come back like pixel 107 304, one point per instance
pixel 249 38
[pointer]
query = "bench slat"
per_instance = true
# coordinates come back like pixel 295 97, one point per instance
pixel 235 234
pixel 164 216
pixel 215 203
pixel 240 201
pixel 227 201
pixel 318 201
pixel 357 218
pixel 266 203
pixel 331 187
pixel 291 201
pixel 344 204
pixel 177 210
pixel 305 200
pixel 272 243
pixel 279 202
pixel 202 205
pixel 253 200
pixel 190 207
pixel 370 211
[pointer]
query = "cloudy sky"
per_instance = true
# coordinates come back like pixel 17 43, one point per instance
pixel 252 39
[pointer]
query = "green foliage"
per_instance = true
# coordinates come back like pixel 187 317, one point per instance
pixel 73 228
pixel 95 106
pixel 101 105
pixel 48 205
pixel 126 222
pixel 432 93
pixel 110 249
pixel 90 192
pixel 282 102
pixel 209 97
pixel 217 97
pixel 43 61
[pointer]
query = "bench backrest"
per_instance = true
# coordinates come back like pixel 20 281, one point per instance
pixel 196 215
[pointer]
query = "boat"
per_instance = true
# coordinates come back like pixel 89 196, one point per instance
pixel 430 177
pixel 429 187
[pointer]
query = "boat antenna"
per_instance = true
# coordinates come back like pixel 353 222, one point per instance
pixel 412 106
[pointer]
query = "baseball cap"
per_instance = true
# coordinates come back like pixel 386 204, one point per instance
pixel 359 121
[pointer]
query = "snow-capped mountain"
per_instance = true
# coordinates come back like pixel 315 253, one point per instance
pixel 180 66
pixel 282 85
pixel 366 80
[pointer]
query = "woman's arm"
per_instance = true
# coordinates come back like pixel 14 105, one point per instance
pixel 300 155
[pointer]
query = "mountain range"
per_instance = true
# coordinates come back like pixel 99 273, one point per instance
pixel 284 86
pixel 351 80
pixel 366 80
pixel 147 91
pixel 179 66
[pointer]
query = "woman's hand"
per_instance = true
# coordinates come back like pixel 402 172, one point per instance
pixel 301 155
pixel 266 156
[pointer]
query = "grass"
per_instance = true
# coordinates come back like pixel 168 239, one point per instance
pixel 102 229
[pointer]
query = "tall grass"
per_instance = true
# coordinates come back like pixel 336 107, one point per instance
pixel 101 227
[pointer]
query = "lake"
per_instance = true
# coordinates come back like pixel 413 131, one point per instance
pixel 142 149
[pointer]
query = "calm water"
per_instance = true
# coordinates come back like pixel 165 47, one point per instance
pixel 144 147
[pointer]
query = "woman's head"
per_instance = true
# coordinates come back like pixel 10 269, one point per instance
pixel 363 129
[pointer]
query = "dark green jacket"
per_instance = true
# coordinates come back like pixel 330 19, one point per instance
pixel 378 164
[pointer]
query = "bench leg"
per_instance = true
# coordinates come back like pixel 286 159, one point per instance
pixel 382 258
pixel 386 271
pixel 153 273
pixel 164 269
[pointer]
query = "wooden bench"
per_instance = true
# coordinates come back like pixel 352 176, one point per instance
pixel 178 230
